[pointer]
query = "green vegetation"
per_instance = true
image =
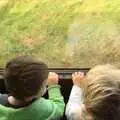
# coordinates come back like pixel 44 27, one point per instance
pixel 63 33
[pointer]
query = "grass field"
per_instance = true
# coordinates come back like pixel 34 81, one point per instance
pixel 63 33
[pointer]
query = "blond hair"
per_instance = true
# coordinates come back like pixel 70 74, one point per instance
pixel 101 93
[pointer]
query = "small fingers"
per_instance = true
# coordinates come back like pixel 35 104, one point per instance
pixel 81 73
pixel 52 73
pixel 77 73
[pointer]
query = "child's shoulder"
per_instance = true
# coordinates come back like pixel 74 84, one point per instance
pixel 41 102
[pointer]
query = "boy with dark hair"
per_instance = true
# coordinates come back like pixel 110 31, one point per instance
pixel 26 79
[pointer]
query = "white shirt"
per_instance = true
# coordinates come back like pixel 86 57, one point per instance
pixel 75 103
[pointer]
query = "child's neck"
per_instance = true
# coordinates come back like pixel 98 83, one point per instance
pixel 13 101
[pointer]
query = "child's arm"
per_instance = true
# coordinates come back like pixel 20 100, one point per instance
pixel 55 95
pixel 75 102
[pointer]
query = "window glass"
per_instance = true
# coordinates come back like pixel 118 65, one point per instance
pixel 62 33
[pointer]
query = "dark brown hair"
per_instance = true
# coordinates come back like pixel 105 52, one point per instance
pixel 24 76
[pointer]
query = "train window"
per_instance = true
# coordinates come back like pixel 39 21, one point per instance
pixel 66 34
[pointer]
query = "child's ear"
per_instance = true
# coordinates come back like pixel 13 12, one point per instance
pixel 44 90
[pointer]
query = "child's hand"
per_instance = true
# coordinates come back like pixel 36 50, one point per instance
pixel 52 78
pixel 77 77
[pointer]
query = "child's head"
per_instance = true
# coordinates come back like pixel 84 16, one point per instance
pixel 101 93
pixel 25 77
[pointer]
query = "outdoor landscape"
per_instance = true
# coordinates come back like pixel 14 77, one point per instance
pixel 63 33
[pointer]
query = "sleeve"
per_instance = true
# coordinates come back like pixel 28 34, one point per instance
pixel 4 99
pixel 75 103
pixel 57 99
